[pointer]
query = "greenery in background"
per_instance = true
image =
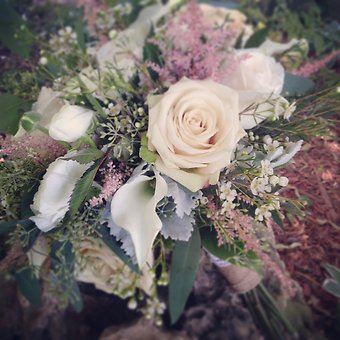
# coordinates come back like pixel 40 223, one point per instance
pixel 287 19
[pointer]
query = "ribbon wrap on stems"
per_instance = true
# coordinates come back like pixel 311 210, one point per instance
pixel 241 279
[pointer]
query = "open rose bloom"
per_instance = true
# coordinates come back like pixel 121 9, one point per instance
pixel 194 128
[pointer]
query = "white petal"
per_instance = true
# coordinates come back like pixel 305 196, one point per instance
pixel 51 202
pixel 133 208
pixel 192 181
pixel 70 123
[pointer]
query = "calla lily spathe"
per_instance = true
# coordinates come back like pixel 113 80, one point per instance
pixel 133 208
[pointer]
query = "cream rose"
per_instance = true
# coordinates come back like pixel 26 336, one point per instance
pixel 70 123
pixel 107 272
pixel 194 128
pixel 257 79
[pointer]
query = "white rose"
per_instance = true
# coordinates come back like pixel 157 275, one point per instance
pixel 48 104
pixel 119 50
pixel 107 272
pixel 70 123
pixel 218 15
pixel 51 202
pixel 194 127
pixel 236 20
pixel 257 78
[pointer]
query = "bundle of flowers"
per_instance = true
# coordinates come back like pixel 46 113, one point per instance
pixel 167 142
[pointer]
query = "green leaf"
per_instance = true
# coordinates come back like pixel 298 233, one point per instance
pixel 144 153
pixel 80 30
pixel 93 101
pixel 27 200
pixel 13 31
pixel 184 265
pixel 10 113
pixel 225 252
pixel 257 38
pixel 86 155
pixel 32 233
pixel 114 245
pixel 277 219
pixel 76 299
pixel 62 252
pixel 332 287
pixel 29 121
pixel 29 285
pixel 151 52
pixel 296 86
pixel 81 189
pixel 6 227
pixel 63 262
pixel 333 271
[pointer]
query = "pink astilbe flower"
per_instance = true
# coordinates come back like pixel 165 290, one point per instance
pixel 113 179
pixel 238 225
pixel 310 69
pixel 41 149
pixel 193 48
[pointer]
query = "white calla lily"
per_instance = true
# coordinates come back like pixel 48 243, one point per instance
pixel 51 202
pixel 133 208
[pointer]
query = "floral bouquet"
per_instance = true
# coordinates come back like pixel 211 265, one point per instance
pixel 165 142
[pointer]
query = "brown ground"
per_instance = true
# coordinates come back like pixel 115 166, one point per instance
pixel 315 174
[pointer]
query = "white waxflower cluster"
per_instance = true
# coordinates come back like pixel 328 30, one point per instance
pixel 264 211
pixel 154 309
pixel 227 196
pixel 111 110
pixel 283 108
pixel 263 184
pixel 123 283
pixel 64 41
pixel 266 180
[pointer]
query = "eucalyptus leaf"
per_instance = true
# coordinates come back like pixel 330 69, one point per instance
pixel 10 113
pixel 29 285
pixel 296 85
pixel 184 265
